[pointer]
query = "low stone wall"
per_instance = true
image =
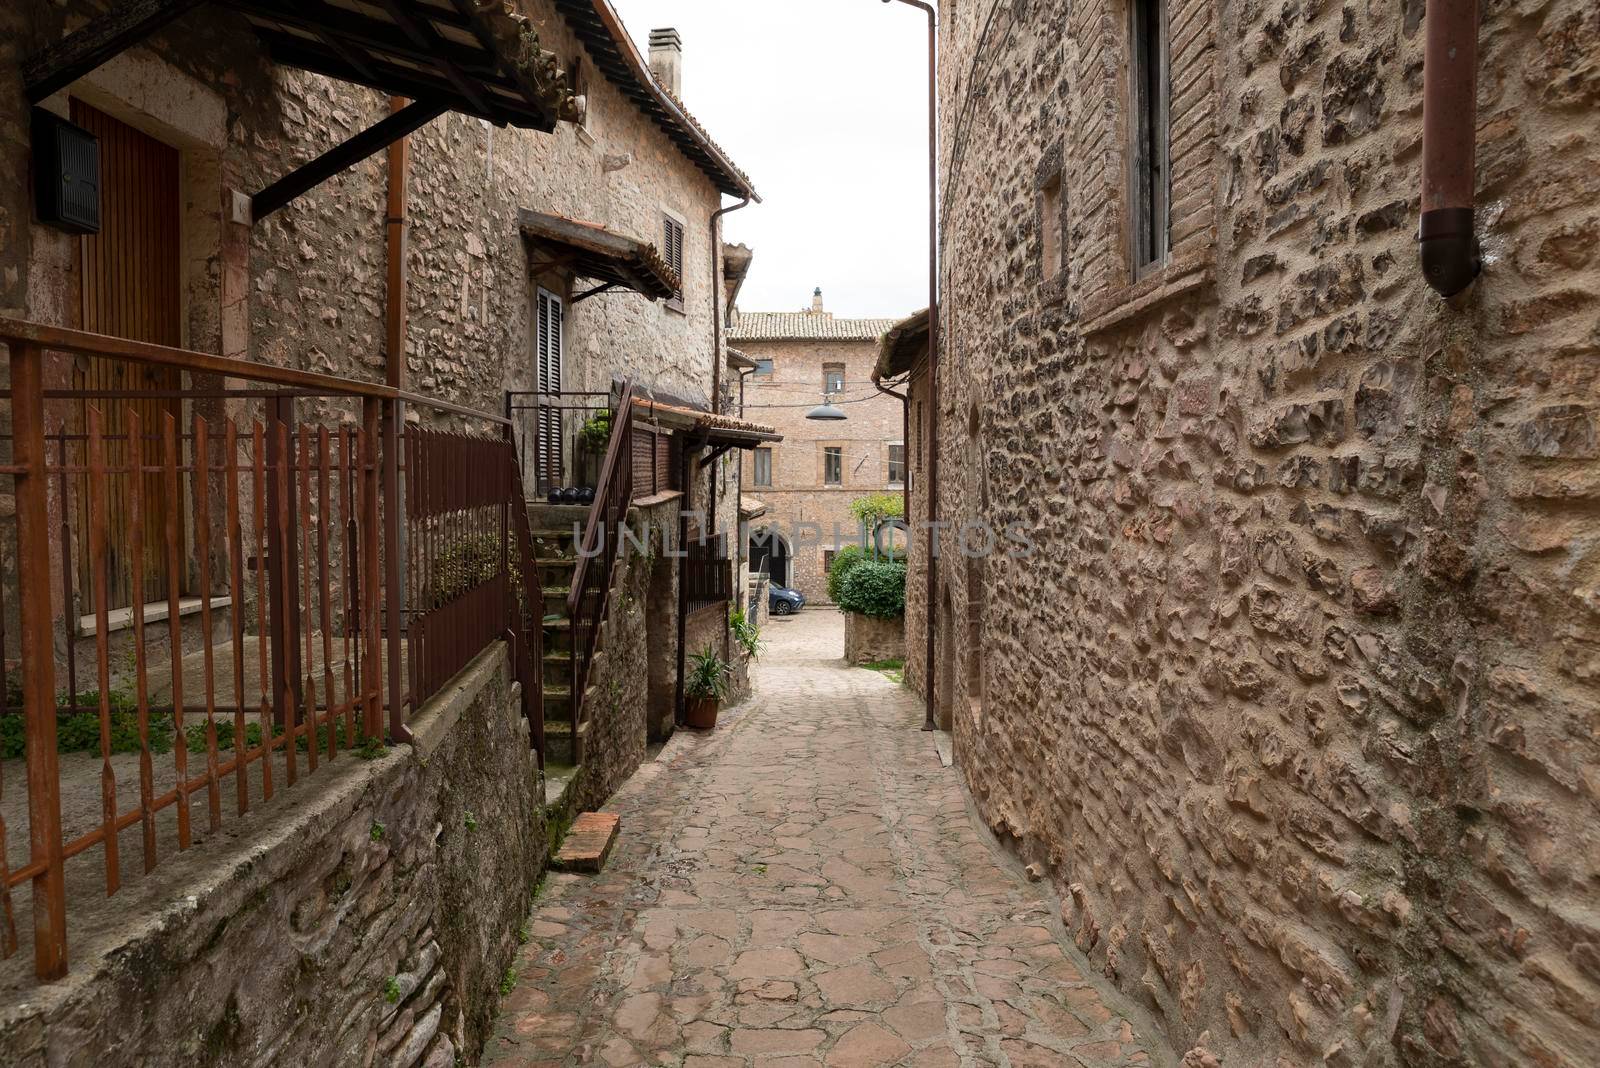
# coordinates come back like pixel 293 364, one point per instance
pixel 365 917
pixel 868 639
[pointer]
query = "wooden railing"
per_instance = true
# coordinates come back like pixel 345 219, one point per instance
pixel 290 612
pixel 598 550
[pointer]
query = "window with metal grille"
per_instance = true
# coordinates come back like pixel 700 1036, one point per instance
pixel 672 252
pixel 832 465
pixel 1150 95
pixel 548 350
pixel 763 467
pixel 833 378
pixel 897 463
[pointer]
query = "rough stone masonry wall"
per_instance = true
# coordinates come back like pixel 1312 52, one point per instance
pixel 305 287
pixel 797 494
pixel 1297 703
pixel 377 915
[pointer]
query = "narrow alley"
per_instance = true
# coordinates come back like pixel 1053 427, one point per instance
pixel 806 886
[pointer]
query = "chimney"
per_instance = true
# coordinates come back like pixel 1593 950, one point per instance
pixel 816 301
pixel 666 60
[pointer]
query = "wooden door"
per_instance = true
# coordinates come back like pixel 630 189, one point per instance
pixel 129 276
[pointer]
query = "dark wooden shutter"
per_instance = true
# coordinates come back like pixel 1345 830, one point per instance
pixel 644 466
pixel 548 346
pixel 666 471
pixel 672 252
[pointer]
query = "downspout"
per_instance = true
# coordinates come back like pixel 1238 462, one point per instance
pixel 1450 256
pixel 715 228
pixel 932 614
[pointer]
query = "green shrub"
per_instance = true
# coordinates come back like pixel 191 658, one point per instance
pixel 746 633
pixel 708 676
pixel 596 432
pixel 845 560
pixel 872 510
pixel 875 588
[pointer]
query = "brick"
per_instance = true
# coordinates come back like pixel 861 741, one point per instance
pixel 588 842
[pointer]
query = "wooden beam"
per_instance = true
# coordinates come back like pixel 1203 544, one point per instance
pixel 529 91
pixel 373 139
pixel 57 66
pixel 424 36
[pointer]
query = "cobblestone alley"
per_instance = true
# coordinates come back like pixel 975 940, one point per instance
pixel 805 886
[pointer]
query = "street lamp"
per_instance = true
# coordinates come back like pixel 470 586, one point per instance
pixel 930 609
pixel 826 411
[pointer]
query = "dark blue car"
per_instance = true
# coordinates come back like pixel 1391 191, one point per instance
pixel 782 601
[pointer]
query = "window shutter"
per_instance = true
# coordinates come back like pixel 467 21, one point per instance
pixel 643 456
pixel 673 252
pixel 548 353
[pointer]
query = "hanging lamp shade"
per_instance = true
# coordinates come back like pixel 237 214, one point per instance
pixel 826 411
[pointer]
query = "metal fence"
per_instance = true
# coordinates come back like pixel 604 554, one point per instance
pixel 207 594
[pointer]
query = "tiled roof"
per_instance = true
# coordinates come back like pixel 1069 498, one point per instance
pixel 902 346
pixel 804 326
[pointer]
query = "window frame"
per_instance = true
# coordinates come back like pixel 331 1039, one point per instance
pixel 828 370
pixel 763 452
pixel 760 375
pixel 1150 136
pixel 889 464
pixel 832 452
pixel 673 231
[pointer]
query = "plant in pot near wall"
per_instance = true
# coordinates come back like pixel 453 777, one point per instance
pixel 705 684
pixel 593 438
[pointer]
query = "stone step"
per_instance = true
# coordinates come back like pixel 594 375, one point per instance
pixel 589 842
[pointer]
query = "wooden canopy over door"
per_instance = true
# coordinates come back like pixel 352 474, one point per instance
pixel 129 275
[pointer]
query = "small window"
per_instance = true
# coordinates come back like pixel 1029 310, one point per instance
pixel 1050 228
pixel 672 252
pixel 1152 137
pixel 763 369
pixel 763 467
pixel 897 463
pixel 833 466
pixel 827 561
pixel 833 378
pixel 575 87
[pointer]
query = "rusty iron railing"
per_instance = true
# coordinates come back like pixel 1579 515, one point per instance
pixel 707 573
pixel 597 553
pixel 290 611
pixel 470 562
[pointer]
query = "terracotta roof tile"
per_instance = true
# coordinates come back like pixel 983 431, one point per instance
pixel 804 326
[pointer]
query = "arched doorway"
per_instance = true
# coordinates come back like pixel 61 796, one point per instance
pixel 770 553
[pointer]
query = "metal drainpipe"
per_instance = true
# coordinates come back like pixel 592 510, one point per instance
pixel 932 612
pixel 1450 256
pixel 716 372
pixel 738 519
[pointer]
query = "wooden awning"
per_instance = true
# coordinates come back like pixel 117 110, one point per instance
pixel 614 260
pixel 903 347
pixel 482 59
pixel 708 428
pixel 478 57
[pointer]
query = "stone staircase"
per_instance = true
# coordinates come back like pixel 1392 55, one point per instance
pixel 552 527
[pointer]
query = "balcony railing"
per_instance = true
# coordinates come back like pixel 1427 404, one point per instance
pixel 209 592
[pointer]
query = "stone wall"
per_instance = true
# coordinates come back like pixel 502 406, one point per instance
pixel 305 287
pixel 868 639
pixel 377 907
pixel 799 505
pixel 1295 702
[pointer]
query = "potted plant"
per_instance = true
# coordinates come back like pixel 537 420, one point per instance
pixel 593 437
pixel 705 684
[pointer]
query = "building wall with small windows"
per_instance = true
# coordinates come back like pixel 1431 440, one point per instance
pixel 1294 700
pixel 808 480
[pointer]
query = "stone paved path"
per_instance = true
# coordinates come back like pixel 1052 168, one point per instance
pixel 804 886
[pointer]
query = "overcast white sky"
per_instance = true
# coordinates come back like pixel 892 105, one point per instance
pixel 824 104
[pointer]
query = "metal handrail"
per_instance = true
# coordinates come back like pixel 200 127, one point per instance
pixel 590 594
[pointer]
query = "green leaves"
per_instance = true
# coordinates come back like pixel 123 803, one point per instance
pixel 874 588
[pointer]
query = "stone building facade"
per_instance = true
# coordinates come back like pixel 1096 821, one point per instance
pixel 1295 701
pixel 307 288
pixel 800 356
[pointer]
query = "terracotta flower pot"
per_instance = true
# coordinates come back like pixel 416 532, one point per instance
pixel 701 713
